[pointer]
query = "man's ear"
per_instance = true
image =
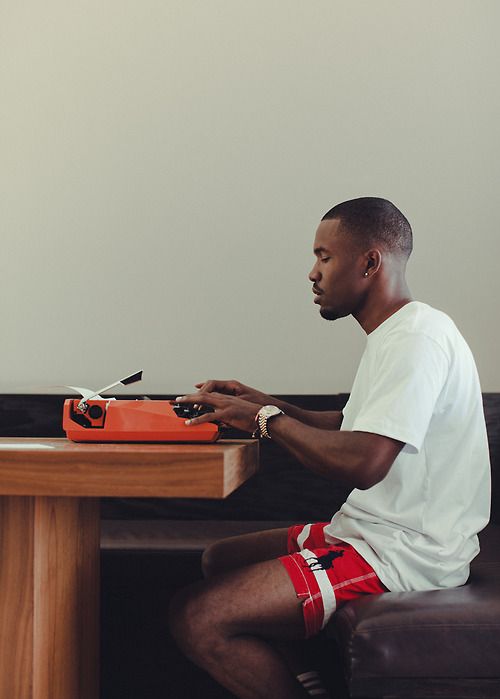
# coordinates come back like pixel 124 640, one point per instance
pixel 373 260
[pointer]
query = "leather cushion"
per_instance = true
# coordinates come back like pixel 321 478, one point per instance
pixel 440 633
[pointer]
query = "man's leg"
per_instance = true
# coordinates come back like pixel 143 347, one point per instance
pixel 227 625
pixel 246 549
pixel 239 551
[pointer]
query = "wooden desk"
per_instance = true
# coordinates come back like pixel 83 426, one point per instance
pixel 49 545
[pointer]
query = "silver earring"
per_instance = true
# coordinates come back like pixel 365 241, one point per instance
pixel 365 274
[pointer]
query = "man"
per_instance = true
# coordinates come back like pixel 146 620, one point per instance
pixel 411 441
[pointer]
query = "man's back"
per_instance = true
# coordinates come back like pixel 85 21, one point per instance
pixel 417 383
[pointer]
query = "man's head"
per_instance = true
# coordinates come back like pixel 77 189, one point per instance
pixel 361 245
pixel 373 222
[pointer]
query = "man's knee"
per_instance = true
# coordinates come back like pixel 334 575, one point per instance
pixel 215 559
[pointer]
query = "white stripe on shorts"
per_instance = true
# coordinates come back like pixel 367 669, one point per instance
pixel 325 588
pixel 303 535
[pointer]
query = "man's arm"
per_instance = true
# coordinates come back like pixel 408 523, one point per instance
pixel 358 459
pixel 324 419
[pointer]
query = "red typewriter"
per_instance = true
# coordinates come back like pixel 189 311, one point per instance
pixel 96 419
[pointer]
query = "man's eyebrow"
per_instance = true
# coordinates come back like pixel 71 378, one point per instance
pixel 320 250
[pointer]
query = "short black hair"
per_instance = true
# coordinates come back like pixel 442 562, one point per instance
pixel 374 220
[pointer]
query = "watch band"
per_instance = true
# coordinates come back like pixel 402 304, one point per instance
pixel 263 426
pixel 263 415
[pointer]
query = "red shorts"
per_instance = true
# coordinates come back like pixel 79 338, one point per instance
pixel 325 575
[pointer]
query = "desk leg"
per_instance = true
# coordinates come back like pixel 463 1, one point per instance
pixel 49 598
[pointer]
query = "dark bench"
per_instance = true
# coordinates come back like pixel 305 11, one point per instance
pixel 443 643
pixel 398 645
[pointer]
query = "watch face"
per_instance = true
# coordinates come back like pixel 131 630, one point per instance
pixel 270 410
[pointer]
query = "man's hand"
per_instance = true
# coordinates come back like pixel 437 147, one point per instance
pixel 327 420
pixel 235 388
pixel 227 409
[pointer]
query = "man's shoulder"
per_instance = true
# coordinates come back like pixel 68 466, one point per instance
pixel 420 320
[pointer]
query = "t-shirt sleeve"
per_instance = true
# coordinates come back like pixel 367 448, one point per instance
pixel 410 376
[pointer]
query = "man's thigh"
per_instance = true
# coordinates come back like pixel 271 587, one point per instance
pixel 258 599
pixel 247 549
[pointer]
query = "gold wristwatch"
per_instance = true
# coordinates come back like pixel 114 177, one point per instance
pixel 263 415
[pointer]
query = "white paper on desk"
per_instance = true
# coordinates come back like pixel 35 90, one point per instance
pixel 23 446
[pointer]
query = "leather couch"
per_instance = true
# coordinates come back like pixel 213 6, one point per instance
pixel 442 643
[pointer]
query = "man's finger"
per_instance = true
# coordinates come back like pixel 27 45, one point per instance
pixel 206 386
pixel 216 386
pixel 201 398
pixel 202 419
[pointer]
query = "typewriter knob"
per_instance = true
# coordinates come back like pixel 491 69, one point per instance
pixel 95 411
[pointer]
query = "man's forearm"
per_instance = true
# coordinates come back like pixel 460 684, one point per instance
pixel 357 459
pixel 323 419
pixel 314 448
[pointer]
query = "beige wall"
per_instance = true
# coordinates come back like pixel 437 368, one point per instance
pixel 164 165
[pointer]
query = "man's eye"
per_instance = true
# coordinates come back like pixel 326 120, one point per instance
pixel 325 259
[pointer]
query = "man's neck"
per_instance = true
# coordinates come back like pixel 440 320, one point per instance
pixel 381 306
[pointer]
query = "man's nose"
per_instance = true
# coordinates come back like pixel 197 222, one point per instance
pixel 314 274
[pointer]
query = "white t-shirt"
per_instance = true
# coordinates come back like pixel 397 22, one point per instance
pixel 417 382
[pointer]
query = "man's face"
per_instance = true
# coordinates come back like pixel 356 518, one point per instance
pixel 337 274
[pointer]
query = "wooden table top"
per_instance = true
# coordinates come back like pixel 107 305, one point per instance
pixel 59 467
